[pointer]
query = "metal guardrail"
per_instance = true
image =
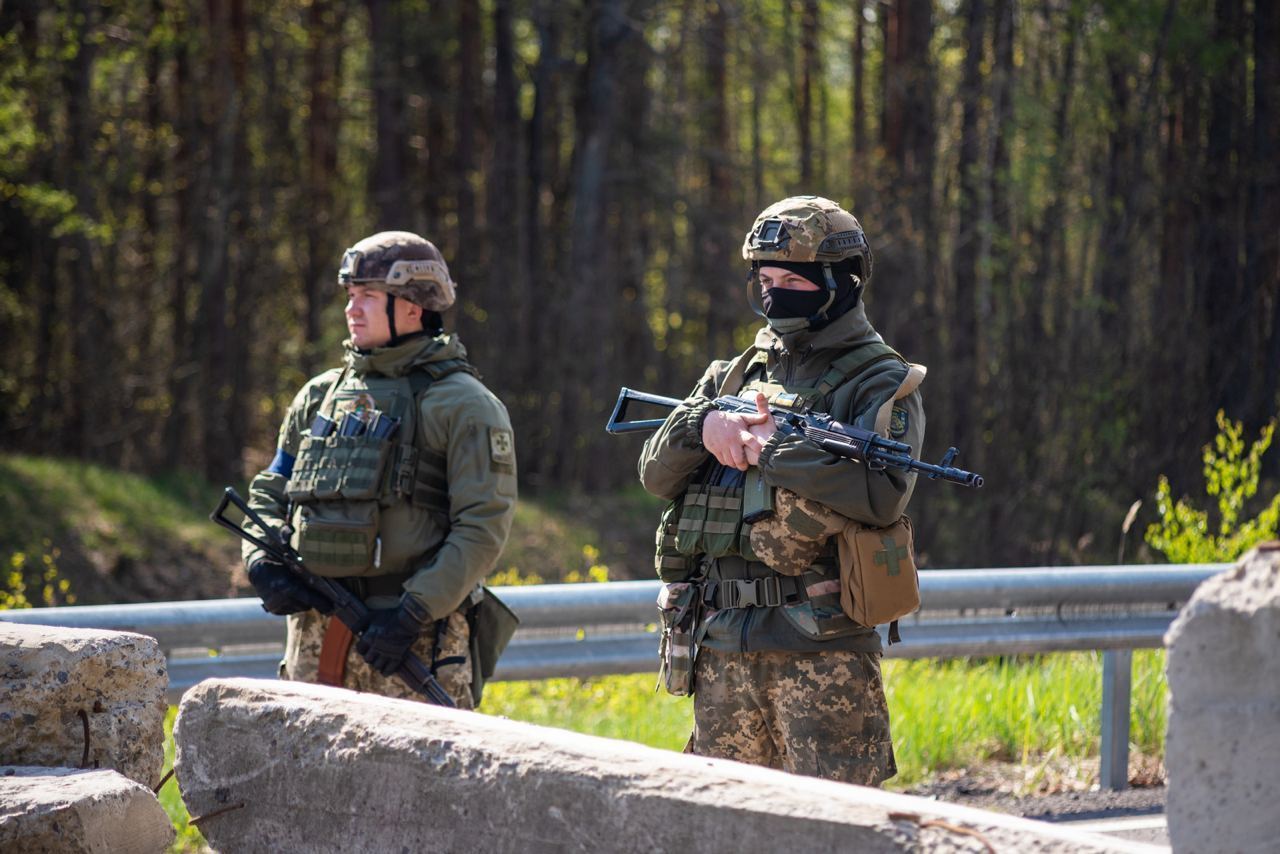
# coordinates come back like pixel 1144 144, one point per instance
pixel 598 629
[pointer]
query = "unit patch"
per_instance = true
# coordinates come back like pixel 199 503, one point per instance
pixel 898 423
pixel 501 447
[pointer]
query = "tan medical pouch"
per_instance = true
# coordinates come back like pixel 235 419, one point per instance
pixel 878 579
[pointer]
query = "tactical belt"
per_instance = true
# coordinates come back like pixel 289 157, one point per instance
pixel 772 591
pixel 375 585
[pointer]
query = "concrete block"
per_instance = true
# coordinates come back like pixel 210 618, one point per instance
pixel 1223 747
pixel 285 767
pixel 61 689
pixel 67 810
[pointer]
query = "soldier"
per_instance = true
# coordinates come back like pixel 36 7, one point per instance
pixel 397 475
pixel 781 675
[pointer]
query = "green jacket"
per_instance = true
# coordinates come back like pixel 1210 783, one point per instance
pixel 796 363
pixel 446 536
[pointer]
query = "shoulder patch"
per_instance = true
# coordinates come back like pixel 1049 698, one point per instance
pixel 501 447
pixel 898 423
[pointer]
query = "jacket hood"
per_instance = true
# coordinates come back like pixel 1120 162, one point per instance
pixel 401 359
pixel 850 330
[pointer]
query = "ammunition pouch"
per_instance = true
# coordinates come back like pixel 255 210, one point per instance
pixel 678 607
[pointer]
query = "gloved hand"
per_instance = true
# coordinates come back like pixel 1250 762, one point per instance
pixel 391 633
pixel 283 592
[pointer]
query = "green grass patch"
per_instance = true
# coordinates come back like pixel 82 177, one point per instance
pixel 189 838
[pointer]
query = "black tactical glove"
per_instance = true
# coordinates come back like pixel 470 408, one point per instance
pixel 391 633
pixel 283 592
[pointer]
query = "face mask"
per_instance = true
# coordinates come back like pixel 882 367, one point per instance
pixel 780 302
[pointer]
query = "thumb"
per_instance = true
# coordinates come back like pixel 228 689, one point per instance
pixel 762 411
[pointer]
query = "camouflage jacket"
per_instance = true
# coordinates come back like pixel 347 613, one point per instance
pixel 673 459
pixel 443 546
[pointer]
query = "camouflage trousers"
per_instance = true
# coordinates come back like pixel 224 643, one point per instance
pixel 302 659
pixel 821 714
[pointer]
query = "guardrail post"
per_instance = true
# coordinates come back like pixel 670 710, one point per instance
pixel 1117 677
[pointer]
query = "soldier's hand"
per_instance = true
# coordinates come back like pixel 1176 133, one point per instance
pixel 283 592
pixel 762 431
pixel 391 633
pixel 727 436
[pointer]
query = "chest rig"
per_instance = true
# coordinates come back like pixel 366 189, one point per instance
pixel 343 485
pixel 705 534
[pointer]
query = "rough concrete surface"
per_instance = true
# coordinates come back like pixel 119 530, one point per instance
pixel 1223 745
pixel 55 682
pixel 67 810
pixel 294 767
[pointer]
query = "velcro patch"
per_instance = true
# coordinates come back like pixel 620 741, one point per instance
pixel 502 448
pixel 898 423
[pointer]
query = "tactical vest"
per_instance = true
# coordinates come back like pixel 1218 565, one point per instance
pixel 707 530
pixel 358 499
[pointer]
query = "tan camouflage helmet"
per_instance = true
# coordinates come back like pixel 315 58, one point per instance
pixel 806 229
pixel 791 539
pixel 402 264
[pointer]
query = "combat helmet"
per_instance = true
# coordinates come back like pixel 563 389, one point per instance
pixel 402 264
pixel 808 229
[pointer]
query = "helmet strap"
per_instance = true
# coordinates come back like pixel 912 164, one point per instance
pixel 391 319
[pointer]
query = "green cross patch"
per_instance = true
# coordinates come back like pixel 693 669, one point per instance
pixel 891 555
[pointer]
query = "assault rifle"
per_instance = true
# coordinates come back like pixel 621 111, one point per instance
pixel 842 440
pixel 347 607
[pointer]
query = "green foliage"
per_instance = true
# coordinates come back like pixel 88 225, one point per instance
pixel 1185 534
pixel 35 576
pixel 188 839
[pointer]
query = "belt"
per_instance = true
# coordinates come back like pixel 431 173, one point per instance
pixel 365 586
pixel 771 592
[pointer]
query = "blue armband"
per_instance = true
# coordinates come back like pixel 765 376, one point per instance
pixel 282 464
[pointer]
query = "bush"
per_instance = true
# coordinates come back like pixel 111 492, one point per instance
pixel 1184 533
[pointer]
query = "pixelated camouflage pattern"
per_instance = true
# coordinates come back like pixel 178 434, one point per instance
pixel 302 660
pixel 372 263
pixel 792 538
pixel 807 221
pixel 817 714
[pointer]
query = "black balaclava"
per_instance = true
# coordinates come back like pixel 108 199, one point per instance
pixel 781 302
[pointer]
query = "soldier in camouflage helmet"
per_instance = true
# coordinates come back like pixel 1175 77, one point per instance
pixel 781 675
pixel 396 475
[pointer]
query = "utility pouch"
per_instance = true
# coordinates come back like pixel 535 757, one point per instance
pixel 878 579
pixel 492 624
pixel 670 564
pixel 338 539
pixel 677 649
pixel 710 520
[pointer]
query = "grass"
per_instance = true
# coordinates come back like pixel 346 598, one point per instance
pixel 1041 713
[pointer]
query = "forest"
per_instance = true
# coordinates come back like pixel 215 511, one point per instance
pixel 1074 207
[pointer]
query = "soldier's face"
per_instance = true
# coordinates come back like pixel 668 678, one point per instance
pixel 367 317
pixel 777 277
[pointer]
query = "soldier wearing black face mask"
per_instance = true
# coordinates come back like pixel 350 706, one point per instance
pixel 781 675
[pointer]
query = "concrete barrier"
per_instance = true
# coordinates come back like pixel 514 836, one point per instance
pixel 82 698
pixel 67 810
pixel 1223 746
pixel 278 766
